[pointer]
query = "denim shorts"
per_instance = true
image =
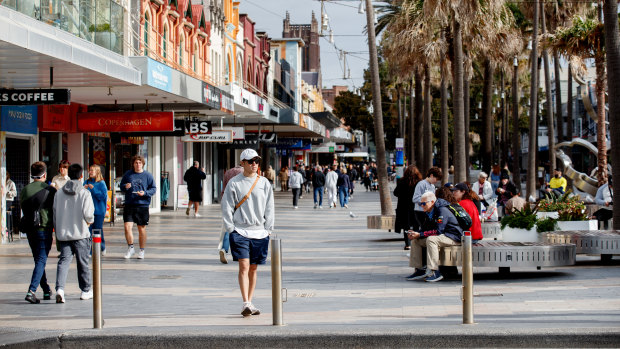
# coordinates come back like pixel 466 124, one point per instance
pixel 245 248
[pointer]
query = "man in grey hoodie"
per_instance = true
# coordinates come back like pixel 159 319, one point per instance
pixel 74 211
pixel 248 213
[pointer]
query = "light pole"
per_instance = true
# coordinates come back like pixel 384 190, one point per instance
pixel 384 191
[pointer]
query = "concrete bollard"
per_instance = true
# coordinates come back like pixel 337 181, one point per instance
pixel 468 280
pixel 276 281
pixel 97 314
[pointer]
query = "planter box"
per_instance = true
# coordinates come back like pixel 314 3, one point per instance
pixel 520 235
pixel 578 225
pixel 543 215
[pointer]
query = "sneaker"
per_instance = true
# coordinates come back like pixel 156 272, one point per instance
pixel 141 254
pixel 32 298
pixel 47 295
pixel 301 197
pixel 103 252
pixel 223 257
pixel 246 311
pixel 320 207
pixel 197 215
pixel 435 276
pixel 60 295
pixel 187 212
pixel 130 252
pixel 254 309
pixel 419 274
pixel 346 206
pixel 315 206
pixel 407 248
pixel 86 295
pixel 295 207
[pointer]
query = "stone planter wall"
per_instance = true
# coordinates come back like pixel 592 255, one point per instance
pixel 543 215
pixel 578 225
pixel 520 235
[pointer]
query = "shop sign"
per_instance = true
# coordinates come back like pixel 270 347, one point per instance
pixel 60 118
pixel 238 132
pixel 126 122
pixel 400 143
pixel 224 136
pixel 211 96
pixel 265 137
pixel 198 127
pixel 19 119
pixel 132 140
pixel 227 102
pixel 159 75
pixel 34 96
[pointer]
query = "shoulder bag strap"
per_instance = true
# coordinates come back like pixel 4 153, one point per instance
pixel 248 194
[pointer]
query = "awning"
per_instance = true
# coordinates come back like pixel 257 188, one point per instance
pixel 360 154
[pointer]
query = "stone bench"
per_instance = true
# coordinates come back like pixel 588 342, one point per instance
pixel 381 222
pixel 491 231
pixel 504 255
pixel 603 242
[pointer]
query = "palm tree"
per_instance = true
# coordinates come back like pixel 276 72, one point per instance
pixel 533 136
pixel 445 161
pixel 384 190
pixel 585 40
pixel 612 45
pixel 550 127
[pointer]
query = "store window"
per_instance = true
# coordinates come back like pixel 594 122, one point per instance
pixel 146 34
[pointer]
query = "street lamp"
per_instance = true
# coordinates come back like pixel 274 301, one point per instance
pixel 360 9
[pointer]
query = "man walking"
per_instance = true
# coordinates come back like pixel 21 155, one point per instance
pixel 331 181
pixel 36 202
pixel 74 211
pixel 138 186
pixel 194 177
pixel 224 243
pixel 248 213
pixel 318 182
pixel 295 182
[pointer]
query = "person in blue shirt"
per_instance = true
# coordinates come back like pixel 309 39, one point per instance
pixel 99 192
pixel 138 186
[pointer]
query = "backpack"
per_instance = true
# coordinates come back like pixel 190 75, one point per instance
pixel 461 216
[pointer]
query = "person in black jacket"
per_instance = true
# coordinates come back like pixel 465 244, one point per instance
pixel 405 187
pixel 444 231
pixel 318 182
pixel 194 176
pixel 505 191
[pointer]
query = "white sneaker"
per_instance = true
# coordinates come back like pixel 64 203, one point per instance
pixel 60 295
pixel 130 252
pixel 295 207
pixel 103 252
pixel 197 215
pixel 254 310
pixel 320 207
pixel 86 295
pixel 141 254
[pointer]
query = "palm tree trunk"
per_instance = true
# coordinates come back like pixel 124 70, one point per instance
pixel 445 162
pixel 601 128
pixel 516 132
pixel 533 136
pixel 384 190
pixel 569 106
pixel 612 46
pixel 428 126
pixel 548 103
pixel 412 126
pixel 466 104
pixel 457 103
pixel 504 143
pixel 487 118
pixel 419 121
pixel 558 98
pixel 401 134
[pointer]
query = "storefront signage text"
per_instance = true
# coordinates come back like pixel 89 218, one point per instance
pixel 216 136
pixel 19 119
pixel 198 127
pixel 126 122
pixel 34 97
pixel 159 75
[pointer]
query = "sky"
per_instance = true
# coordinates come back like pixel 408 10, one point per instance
pixel 344 20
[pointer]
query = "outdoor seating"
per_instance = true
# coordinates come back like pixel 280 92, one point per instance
pixel 603 242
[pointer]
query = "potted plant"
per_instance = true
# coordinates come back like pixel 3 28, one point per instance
pixel 103 35
pixel 519 225
pixel 546 224
pixel 573 216
pixel 548 208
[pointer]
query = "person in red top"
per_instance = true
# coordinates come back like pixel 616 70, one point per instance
pixel 462 194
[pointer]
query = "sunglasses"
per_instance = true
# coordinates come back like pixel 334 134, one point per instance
pixel 423 203
pixel 252 161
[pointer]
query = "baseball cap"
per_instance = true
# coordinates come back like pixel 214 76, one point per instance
pixel 249 154
pixel 461 187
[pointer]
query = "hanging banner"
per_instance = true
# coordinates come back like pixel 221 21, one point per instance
pixel 19 119
pixel 126 122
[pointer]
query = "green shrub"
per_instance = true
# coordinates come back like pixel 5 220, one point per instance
pixel 104 27
pixel 546 224
pixel 520 219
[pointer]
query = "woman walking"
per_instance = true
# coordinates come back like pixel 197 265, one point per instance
pixel 99 192
pixel 344 183
pixel 405 187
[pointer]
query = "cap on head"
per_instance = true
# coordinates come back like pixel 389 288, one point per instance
pixel 448 185
pixel 249 154
pixel 461 186
pixel 505 176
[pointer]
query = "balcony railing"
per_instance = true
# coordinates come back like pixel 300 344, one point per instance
pixel 98 21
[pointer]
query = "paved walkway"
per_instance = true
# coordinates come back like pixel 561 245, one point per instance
pixel 343 280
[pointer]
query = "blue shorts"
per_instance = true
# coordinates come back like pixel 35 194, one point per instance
pixel 245 248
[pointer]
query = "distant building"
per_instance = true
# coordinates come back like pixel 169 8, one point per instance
pixel 330 94
pixel 311 51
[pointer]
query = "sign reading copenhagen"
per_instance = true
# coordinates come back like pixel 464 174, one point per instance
pixel 34 96
pixel 126 122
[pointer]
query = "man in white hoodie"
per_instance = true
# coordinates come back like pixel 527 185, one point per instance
pixel 331 179
pixel 74 211
pixel 248 213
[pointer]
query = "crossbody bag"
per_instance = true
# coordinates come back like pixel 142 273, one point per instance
pixel 247 195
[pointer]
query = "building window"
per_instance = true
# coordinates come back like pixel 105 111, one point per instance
pixel 146 34
pixel 181 52
pixel 165 43
pixel 195 58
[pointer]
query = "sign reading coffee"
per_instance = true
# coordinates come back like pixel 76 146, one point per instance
pixel 34 96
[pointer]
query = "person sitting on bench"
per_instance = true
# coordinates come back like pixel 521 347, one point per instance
pixel 556 186
pixel 604 197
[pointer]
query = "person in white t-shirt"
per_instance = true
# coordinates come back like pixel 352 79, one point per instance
pixel 248 213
